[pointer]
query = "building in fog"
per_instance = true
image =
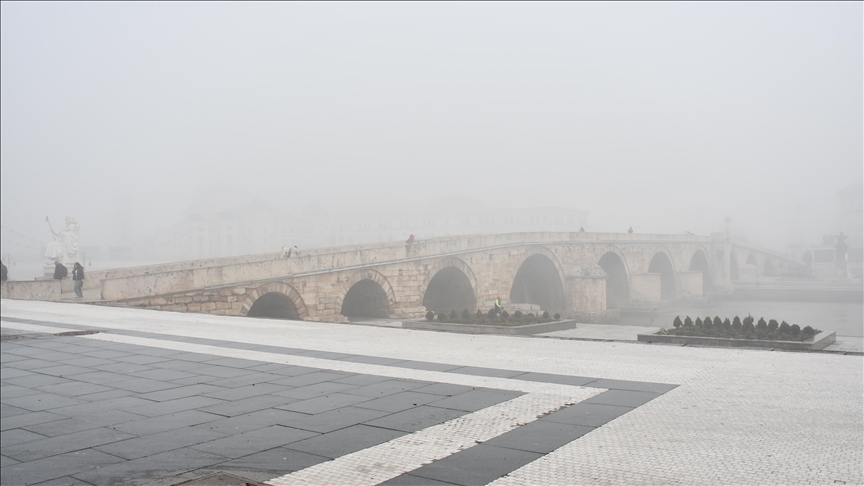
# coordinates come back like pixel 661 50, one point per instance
pixel 261 229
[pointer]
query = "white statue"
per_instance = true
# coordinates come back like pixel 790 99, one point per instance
pixel 65 244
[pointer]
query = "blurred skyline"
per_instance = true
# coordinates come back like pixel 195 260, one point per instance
pixel 666 117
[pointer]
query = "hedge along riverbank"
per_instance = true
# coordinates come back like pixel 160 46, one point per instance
pixel 491 318
pixel 740 329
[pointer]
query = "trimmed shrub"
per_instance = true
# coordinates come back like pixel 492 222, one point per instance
pixel 442 317
pixel 707 322
pixel 557 316
pixel 747 320
pixel 736 323
pixel 677 322
pixel 762 325
pixel 453 315
pixel 808 332
pixel 430 316
pixel 748 325
pixel 530 315
pixel 718 324
pixel 727 325
pixel 517 314
pixel 698 322
pixel 479 314
pixel 688 322
pixel 795 329
pixel 505 315
pixel 772 325
pixel 545 314
pixel 784 328
pixel 466 315
pixel 491 313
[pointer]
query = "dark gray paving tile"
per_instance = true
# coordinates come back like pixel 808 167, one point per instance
pixel 345 441
pixel 101 377
pixel 130 369
pixel 111 394
pixel 173 406
pixel 158 352
pixel 157 443
pixel 268 367
pixel 240 407
pixel 27 419
pixel 196 380
pixel 623 398
pixel 141 359
pixel 560 379
pixel 105 354
pixel 164 374
pixel 7 461
pixel 334 419
pixel 287 370
pixel 222 371
pixel 57 467
pixel 43 401
pixel 423 365
pixel 152 469
pixel 64 370
pixel 9 410
pixel 310 378
pixel 37 380
pixel 475 400
pixel 278 460
pixel 143 385
pixel 480 464
pixel 179 392
pixel 180 365
pixel 233 362
pixel 371 360
pixel 385 388
pixel 31 364
pixel 8 372
pixel 540 436
pixel 316 390
pixel 245 392
pixel 587 414
pixel 477 371
pixel 362 380
pixel 74 388
pixel 416 418
pixel 240 445
pixel 120 403
pixel 14 391
pixel 64 481
pixel 250 421
pixel 445 389
pixel 411 480
pixel 643 386
pixel 17 436
pixel 324 403
pixel 154 425
pixel 321 354
pixel 83 422
pixel 399 401
pixel 52 446
pixel 86 361
pixel 250 379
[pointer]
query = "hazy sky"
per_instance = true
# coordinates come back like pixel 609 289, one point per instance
pixel 662 116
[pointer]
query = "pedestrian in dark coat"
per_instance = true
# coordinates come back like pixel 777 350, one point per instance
pixel 60 271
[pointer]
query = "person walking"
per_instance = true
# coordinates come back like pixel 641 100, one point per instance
pixel 499 309
pixel 60 271
pixel 78 277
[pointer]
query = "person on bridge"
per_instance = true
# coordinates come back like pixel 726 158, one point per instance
pixel 292 251
pixel 498 307
pixel 78 277
pixel 630 230
pixel 410 239
pixel 284 252
pixel 60 271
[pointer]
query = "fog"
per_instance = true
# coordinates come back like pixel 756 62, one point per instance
pixel 662 117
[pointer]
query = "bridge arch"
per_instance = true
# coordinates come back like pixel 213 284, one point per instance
pixel 367 294
pixel 733 266
pixel 699 263
pixel 539 280
pixel 275 300
pixel 661 263
pixel 449 285
pixel 614 263
pixel 768 268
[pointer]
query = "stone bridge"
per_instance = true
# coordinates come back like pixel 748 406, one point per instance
pixel 580 275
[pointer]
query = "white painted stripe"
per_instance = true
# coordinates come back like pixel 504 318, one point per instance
pixel 390 459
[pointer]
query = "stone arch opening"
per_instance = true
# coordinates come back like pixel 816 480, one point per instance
pixel 537 282
pixel 751 260
pixel 662 265
pixel 699 263
pixel 274 305
pixel 366 299
pixel 768 269
pixel 733 267
pixel 450 289
pixel 617 282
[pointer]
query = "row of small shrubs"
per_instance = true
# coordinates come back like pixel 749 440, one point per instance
pixel 741 329
pixel 491 317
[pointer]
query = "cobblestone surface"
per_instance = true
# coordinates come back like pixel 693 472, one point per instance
pixel 738 416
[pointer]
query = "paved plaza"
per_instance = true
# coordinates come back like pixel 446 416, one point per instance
pixel 98 395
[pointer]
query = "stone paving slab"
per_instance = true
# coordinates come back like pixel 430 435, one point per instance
pixel 651 414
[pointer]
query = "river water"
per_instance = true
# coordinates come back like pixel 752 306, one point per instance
pixel 844 318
